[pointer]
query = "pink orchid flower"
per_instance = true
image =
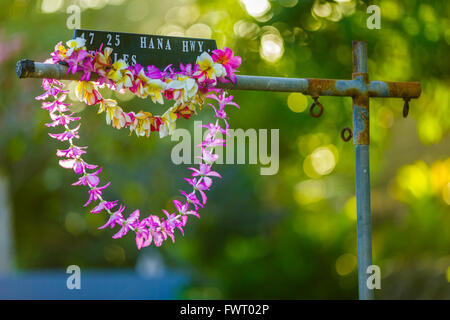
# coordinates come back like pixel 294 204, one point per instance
pixel 153 72
pixel 188 69
pixel 192 198
pixel 143 236
pixel 201 186
pixel 96 193
pixel 213 129
pixel 72 152
pixel 56 105
pixel 66 135
pixel 75 61
pixel 183 210
pixel 78 165
pixel 104 205
pixel 227 59
pixel 173 221
pixel 132 221
pixel 89 179
pixel 209 143
pixel 116 217
pixel 204 170
pixel 223 100
pixel 51 89
pixel 62 119
pixel 87 66
pixel 154 224
pixel 168 225
pixel 208 156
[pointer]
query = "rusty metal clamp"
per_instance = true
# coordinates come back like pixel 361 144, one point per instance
pixel 349 134
pixel 406 107
pixel 314 104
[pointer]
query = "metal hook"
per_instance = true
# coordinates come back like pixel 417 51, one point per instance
pixel 349 136
pixel 406 107
pixel 316 103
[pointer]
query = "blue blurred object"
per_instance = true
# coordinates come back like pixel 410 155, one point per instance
pixel 98 284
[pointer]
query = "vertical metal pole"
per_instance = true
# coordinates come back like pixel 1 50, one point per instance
pixel 361 139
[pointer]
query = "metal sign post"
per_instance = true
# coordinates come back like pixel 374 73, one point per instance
pixel 360 89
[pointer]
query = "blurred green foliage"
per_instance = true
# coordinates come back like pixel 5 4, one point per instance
pixel 291 235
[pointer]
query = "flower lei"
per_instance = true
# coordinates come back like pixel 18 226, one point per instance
pixel 188 87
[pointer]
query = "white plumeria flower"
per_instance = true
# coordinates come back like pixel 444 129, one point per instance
pixel 184 89
pixel 208 68
pixel 154 88
pixel 74 44
pixel 169 122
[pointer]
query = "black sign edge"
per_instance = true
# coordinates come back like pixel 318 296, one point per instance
pixel 140 34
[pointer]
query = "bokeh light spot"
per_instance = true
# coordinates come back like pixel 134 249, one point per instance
pixel 322 9
pixel 429 128
pixel 297 102
pixel 345 264
pixel 114 254
pixel 50 6
pixel 446 193
pixel 199 30
pixel 385 117
pixel 288 3
pixel 256 8
pixel 272 47
pixel 309 191
pixel 323 160
pixel 350 208
pixel 137 10
pixel 75 223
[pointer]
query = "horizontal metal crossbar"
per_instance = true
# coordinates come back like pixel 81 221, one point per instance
pixel 308 86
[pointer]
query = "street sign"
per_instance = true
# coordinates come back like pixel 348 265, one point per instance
pixel 147 49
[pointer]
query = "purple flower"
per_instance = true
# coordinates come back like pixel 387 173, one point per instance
pixel 223 100
pixel 188 70
pixel 132 221
pixel 87 66
pixel 90 179
pixel 209 143
pixel 183 209
pixel 201 186
pixel 208 156
pixel 192 198
pixel 204 170
pixel 228 60
pixel 66 135
pixel 96 193
pixel 56 105
pixel 167 231
pixel 72 152
pixel 51 89
pixel 75 60
pixel 155 227
pixel 152 72
pixel 213 129
pixel 143 236
pixel 78 165
pixel 116 217
pixel 104 205
pixel 62 119
pixel 47 84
